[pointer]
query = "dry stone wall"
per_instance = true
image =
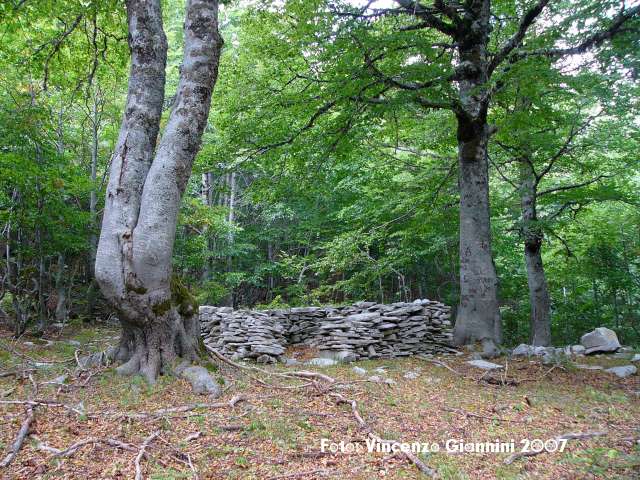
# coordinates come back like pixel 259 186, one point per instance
pixel 358 331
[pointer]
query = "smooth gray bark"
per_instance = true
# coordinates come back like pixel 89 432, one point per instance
pixel 133 262
pixel 540 319
pixel 478 316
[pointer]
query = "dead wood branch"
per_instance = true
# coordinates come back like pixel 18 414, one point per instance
pixel 17 373
pixel 141 453
pixel 319 471
pixel 298 374
pixel 567 436
pixel 465 413
pixel 341 399
pixel 6 393
pixel 441 364
pixel 182 409
pixel 46 403
pixel 192 436
pixel 22 434
pixel 424 468
pixel 193 468
pixel 67 452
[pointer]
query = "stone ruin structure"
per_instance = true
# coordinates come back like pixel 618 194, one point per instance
pixel 364 330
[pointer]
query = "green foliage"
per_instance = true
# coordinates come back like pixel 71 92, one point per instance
pixel 319 183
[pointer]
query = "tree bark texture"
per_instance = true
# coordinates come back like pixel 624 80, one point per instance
pixel 540 320
pixel 478 316
pixel 133 261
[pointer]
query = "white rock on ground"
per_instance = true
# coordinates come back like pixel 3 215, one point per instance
pixel 601 339
pixel 411 375
pixel 359 371
pixel 636 358
pixel 577 349
pixel 340 356
pixel 201 380
pixel 322 362
pixel 484 365
pixel 623 371
pixel 522 350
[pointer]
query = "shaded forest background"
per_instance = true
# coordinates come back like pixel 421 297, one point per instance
pixel 304 191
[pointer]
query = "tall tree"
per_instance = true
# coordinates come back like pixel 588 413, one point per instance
pixel 554 150
pixel 456 56
pixel 146 184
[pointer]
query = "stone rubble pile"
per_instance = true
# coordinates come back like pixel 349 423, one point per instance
pixel 347 333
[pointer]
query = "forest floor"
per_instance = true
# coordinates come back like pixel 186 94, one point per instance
pixel 276 431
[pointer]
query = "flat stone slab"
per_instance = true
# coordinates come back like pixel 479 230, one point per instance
pixel 484 365
pixel 623 371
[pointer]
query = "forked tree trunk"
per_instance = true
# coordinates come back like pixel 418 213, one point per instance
pixel 540 320
pixel 133 261
pixel 478 317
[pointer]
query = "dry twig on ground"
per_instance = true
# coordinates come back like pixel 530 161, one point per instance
pixel 142 452
pixel 22 434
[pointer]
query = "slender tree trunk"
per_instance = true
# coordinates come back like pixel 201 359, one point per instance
pixel 133 263
pixel 93 203
pixel 207 199
pixel 478 316
pixel 540 319
pixel 230 237
pixel 61 291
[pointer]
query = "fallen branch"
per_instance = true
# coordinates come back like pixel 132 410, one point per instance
pixel 298 374
pixel 22 434
pixel 441 364
pixel 193 468
pixel 141 453
pixel 67 452
pixel 16 373
pixel 46 403
pixel 476 415
pixel 341 399
pixel 182 409
pixel 6 393
pixel 567 436
pixel 320 471
pixel 193 436
pixel 501 381
pixel 423 467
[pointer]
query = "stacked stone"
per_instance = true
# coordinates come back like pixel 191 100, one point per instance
pixel 243 333
pixel 359 331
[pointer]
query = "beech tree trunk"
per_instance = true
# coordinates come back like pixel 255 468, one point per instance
pixel 478 316
pixel 540 320
pixel 133 262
